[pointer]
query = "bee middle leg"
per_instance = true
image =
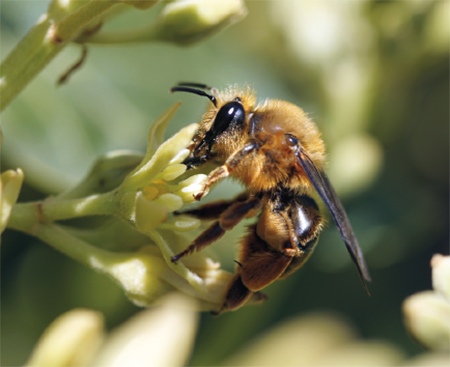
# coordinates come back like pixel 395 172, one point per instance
pixel 215 209
pixel 227 220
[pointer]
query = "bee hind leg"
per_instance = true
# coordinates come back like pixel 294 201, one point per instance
pixel 238 294
pixel 258 266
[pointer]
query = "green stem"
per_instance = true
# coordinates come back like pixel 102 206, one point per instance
pixel 179 268
pixel 45 40
pixel 31 55
pixel 28 217
pixel 70 245
pixel 67 27
pixel 99 204
pixel 124 37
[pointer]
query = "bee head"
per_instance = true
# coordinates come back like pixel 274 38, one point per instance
pixel 221 125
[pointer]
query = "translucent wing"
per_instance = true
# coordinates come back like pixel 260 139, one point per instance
pixel 328 195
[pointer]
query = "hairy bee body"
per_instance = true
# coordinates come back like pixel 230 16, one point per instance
pixel 277 153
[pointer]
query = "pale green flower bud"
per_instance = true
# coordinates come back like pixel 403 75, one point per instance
pixel 10 185
pixel 161 336
pixel 140 4
pixel 182 224
pixel 189 187
pixel 436 30
pixel 321 339
pixel 148 274
pixel 147 339
pixel 180 157
pixel 427 317
pixel 71 340
pixel 173 171
pixel 181 21
pixel 441 274
pixel 151 213
pixel 156 192
pixel 188 21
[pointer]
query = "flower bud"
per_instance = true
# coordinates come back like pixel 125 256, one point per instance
pixel 427 316
pixel 189 187
pixel 151 337
pixel 71 340
pixel 140 4
pixel 173 171
pixel 10 185
pixel 187 21
pixel 441 275
pixel 435 37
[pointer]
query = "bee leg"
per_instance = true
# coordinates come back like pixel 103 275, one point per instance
pixel 218 174
pixel 297 262
pixel 303 231
pixel 224 171
pixel 215 209
pixel 238 294
pixel 229 218
pixel 260 264
pixel 257 268
pixel 263 268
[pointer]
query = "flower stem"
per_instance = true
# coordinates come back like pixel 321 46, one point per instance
pixel 29 57
pixel 44 41
pixel 70 245
pixel 28 217
pixel 67 27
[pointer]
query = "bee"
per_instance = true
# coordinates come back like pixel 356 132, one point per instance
pixel 277 153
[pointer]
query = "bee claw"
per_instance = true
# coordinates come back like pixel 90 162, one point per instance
pixel 199 196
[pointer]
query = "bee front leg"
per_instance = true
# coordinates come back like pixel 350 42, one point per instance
pixel 224 171
pixel 216 175
pixel 228 220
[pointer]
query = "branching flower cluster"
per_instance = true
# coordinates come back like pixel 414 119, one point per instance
pixel 137 234
pixel 129 198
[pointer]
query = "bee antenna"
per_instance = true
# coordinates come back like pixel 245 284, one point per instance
pixel 196 85
pixel 195 91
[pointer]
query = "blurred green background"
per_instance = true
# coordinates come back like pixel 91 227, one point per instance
pixel 373 75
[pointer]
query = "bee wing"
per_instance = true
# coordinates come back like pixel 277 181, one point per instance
pixel 323 186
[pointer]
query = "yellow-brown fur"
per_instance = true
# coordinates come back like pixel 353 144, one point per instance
pixel 274 164
pixel 277 153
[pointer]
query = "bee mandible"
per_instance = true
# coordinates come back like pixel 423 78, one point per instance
pixel 277 153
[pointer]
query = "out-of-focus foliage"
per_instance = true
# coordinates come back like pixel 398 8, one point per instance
pixel 150 337
pixel 373 75
pixel 77 338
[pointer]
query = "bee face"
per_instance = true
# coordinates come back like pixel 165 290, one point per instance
pixel 223 126
pixel 276 151
pixel 229 122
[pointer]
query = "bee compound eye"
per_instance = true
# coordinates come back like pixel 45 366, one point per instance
pixel 291 140
pixel 231 114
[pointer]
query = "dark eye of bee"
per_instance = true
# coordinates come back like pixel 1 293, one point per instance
pixel 230 114
pixel 291 140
